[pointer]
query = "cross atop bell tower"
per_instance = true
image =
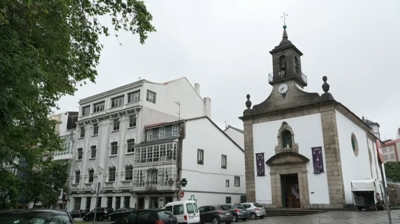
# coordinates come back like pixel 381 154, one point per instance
pixel 286 59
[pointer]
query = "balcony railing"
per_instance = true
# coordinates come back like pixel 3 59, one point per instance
pixel 301 75
pixel 155 186
pixel 149 162
pixel 109 185
pixel 126 185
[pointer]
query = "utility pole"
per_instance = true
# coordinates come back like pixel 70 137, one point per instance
pixel 97 202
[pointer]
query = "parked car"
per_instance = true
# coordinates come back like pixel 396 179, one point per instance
pixel 77 213
pixel 255 210
pixel 215 214
pixel 148 216
pixel 101 214
pixel 238 211
pixel 119 213
pixel 184 211
pixel 23 216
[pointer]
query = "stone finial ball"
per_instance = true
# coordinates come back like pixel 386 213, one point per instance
pixel 248 96
pixel 324 78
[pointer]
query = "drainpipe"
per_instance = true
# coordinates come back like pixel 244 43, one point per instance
pixel 179 159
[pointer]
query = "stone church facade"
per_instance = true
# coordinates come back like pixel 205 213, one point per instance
pixel 303 149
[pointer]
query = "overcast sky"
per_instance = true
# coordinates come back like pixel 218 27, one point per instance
pixel 224 46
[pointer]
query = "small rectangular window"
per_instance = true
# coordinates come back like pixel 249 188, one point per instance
pixel 85 111
pixel 111 174
pixel 117 101
pixel 161 132
pixel 228 200
pixel 134 97
pixel 98 107
pixel 91 176
pixel 95 129
pixel 114 148
pixel 77 176
pixel 116 125
pixel 237 181
pixel 127 202
pixel 129 172
pixel 175 130
pixel 80 153
pixel 93 152
pixel 223 161
pixel 82 134
pixel 149 135
pixel 200 156
pixel 132 121
pixel 151 96
pixel 227 183
pixel 130 145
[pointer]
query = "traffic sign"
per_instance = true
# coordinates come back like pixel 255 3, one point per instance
pixel 182 194
pixel 183 182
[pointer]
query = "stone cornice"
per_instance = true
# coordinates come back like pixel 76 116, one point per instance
pixel 112 92
pixel 115 114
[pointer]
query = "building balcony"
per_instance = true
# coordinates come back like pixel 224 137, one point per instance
pixel 109 185
pixel 151 162
pixel 169 185
pixel 126 185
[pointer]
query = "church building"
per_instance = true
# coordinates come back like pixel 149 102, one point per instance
pixel 302 149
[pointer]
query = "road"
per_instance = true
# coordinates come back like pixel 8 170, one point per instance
pixel 336 217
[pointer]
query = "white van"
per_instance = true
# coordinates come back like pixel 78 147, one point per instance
pixel 184 211
pixel 368 193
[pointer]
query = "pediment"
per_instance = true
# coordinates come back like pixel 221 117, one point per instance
pixel 285 158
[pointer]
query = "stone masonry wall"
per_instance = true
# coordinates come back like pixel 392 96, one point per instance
pixel 249 161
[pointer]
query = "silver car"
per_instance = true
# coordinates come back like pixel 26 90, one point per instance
pixel 255 210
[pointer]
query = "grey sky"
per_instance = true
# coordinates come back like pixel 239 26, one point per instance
pixel 224 46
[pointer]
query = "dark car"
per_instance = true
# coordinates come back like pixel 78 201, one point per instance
pixel 238 211
pixel 101 214
pixel 148 216
pixel 23 216
pixel 77 213
pixel 215 214
pixel 119 213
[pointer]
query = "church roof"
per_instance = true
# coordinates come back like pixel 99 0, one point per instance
pixel 285 44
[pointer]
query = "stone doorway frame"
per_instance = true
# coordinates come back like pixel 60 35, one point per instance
pixel 289 163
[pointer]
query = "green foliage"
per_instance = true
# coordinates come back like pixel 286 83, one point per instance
pixel 392 170
pixel 44 183
pixel 48 48
pixel 9 189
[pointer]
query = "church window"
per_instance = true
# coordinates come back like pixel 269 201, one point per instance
pixel 286 139
pixel 354 144
pixel 296 65
pixel 282 64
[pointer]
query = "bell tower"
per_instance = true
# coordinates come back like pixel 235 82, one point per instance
pixel 286 59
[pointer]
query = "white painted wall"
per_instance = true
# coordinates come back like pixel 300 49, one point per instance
pixel 210 198
pixel 374 166
pixel 353 167
pixel 164 110
pixel 265 140
pixel 236 136
pixel 180 90
pixel 210 177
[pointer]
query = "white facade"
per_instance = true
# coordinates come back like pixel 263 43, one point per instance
pixel 208 181
pixel 236 135
pixel 110 122
pixel 318 183
pixel 355 166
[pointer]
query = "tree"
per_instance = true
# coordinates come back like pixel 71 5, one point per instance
pixel 9 189
pixel 44 183
pixel 392 171
pixel 48 48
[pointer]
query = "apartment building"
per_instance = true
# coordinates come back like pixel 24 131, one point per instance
pixel 110 125
pixel 195 151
